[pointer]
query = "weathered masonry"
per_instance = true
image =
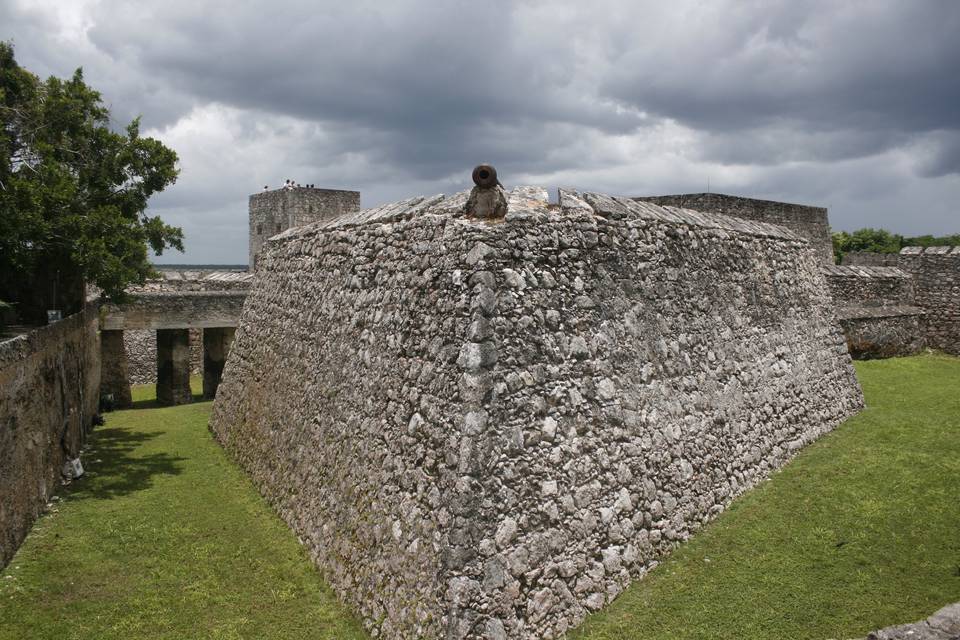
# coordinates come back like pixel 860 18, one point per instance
pixel 934 289
pixel 881 304
pixel 806 221
pixel 141 344
pixel 876 308
pixel 49 380
pixel 280 209
pixel 172 315
pixel 486 428
pixel 936 276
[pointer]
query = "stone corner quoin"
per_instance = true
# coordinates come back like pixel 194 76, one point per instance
pixel 488 428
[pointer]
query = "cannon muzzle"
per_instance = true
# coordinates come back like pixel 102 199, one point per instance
pixel 485 176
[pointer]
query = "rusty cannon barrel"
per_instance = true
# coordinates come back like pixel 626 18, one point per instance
pixel 487 200
pixel 485 176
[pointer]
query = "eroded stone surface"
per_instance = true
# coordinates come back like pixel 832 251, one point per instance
pixel 943 625
pixel 936 274
pixel 876 306
pixel 488 429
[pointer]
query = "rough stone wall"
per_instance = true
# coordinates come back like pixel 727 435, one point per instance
pixel 141 344
pixel 196 280
pixel 942 625
pixel 882 332
pixel 274 211
pixel 487 429
pixel 869 259
pixel 808 222
pixel 875 306
pixel 49 382
pixel 141 347
pixel 936 274
pixel 864 286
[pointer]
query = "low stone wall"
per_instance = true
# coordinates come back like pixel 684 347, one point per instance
pixel 486 429
pixel 141 348
pixel 942 625
pixel 141 344
pixel 49 382
pixel 806 221
pixel 869 286
pixel 869 259
pixel 875 306
pixel 873 332
pixel 936 275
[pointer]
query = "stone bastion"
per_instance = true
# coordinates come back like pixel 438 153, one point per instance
pixel 488 428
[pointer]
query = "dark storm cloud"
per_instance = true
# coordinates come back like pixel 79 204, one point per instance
pixel 860 64
pixel 942 154
pixel 403 65
pixel 851 105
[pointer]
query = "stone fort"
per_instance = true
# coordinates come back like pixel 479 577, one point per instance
pixel 484 414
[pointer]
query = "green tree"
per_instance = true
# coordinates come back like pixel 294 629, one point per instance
pixel 73 191
pixel 883 241
pixel 952 240
pixel 872 240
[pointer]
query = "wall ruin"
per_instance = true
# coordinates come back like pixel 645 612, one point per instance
pixel 806 221
pixel 936 276
pixel 876 308
pixel 141 344
pixel 271 212
pixel 869 259
pixel 489 428
pixel 141 348
pixel 49 384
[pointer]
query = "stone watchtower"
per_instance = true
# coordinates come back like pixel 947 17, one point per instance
pixel 274 211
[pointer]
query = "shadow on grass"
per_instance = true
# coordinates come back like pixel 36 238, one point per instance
pixel 114 470
pixel 151 403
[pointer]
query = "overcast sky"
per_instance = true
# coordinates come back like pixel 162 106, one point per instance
pixel 853 105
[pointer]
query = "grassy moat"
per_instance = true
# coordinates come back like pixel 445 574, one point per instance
pixel 166 538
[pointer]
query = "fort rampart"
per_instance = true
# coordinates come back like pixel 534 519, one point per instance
pixel 279 209
pixel 49 390
pixel 876 308
pixel 806 221
pixel 869 259
pixel 936 275
pixel 489 428
pixel 140 345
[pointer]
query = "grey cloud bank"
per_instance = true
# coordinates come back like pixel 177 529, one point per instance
pixel 847 105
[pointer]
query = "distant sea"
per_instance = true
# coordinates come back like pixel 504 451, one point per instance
pixel 195 267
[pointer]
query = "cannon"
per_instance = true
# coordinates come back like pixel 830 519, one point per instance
pixel 487 199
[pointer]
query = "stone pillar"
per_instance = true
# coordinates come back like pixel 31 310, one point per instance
pixel 114 377
pixel 173 366
pixel 216 346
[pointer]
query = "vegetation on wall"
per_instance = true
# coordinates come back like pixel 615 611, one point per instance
pixel 73 191
pixel 883 241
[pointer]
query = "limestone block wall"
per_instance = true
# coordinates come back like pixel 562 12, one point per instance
pixel 141 348
pixel 936 274
pixel 875 307
pixel 869 286
pixel 869 259
pixel 882 332
pixel 274 211
pixel 49 382
pixel 141 345
pixel 486 429
pixel 808 222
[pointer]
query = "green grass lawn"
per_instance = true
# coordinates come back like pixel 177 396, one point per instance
pixel 860 531
pixel 165 538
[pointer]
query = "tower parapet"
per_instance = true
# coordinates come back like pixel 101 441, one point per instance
pixel 292 206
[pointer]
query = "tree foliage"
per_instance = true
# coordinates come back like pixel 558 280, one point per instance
pixel 73 191
pixel 883 241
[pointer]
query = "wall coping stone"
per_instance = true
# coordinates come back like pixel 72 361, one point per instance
pixel 530 202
